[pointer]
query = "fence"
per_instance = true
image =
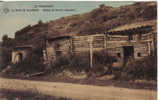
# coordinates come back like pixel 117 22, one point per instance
pixel 88 43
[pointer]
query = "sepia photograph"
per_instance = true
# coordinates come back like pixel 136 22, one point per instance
pixel 78 50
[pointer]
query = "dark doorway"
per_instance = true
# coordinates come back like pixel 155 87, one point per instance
pixel 128 53
pixel 20 57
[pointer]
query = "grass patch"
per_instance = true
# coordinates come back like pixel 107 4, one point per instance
pixel 17 95
pixel 145 68
pixel 102 63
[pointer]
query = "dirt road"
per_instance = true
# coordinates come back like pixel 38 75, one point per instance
pixel 78 92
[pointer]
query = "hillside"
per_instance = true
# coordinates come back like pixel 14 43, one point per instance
pixel 98 20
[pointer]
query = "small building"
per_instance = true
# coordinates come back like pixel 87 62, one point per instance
pixel 19 53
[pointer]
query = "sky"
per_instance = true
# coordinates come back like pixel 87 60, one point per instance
pixel 16 15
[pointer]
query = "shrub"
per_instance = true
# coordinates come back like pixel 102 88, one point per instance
pixel 27 95
pixel 145 68
pixel 29 65
pixel 79 62
pixel 60 63
pixel 5 57
pixel 102 62
pixel 76 63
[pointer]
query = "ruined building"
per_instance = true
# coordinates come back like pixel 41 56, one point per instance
pixel 19 53
pixel 134 43
pixel 123 43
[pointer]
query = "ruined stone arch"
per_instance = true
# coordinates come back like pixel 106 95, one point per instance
pixel 18 57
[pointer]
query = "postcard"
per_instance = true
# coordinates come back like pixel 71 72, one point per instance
pixel 78 50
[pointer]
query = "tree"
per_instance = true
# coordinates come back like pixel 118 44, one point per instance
pixel 7 42
pixel 40 22
pixel 102 6
pixel 4 40
pixel 5 57
pixel 5 37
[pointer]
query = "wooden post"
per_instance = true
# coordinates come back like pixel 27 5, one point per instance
pixel 105 41
pixel 91 51
pixel 71 45
pixel 149 48
pixel 45 55
pixel 153 43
